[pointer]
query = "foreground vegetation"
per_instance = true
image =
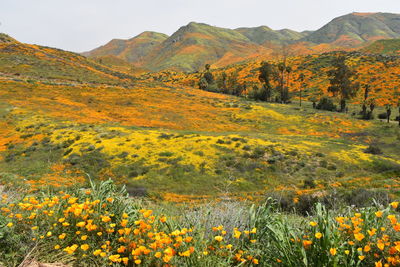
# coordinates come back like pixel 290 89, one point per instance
pixel 99 225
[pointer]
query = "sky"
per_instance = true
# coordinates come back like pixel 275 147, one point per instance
pixel 82 25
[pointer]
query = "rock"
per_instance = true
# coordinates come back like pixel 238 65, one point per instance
pixel 34 263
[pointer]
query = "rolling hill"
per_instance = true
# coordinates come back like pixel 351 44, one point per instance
pixel 39 62
pixel 132 50
pixel 385 47
pixel 380 71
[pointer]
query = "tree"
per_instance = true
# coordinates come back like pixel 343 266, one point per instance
pixel 288 71
pixel 232 82
pixel 265 75
pixel 341 82
pixel 388 112
pixel 209 77
pixel 238 89
pixel 222 82
pixel 364 106
pixel 281 78
pixel 283 69
pixel 203 84
pixel 301 80
pixel 206 79
pixel 399 112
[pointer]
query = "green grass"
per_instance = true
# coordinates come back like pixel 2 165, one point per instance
pixel 64 227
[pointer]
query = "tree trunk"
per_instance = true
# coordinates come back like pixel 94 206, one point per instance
pixel 342 105
pixel 282 85
pixel 300 96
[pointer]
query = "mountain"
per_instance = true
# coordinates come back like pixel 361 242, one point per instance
pixel 357 28
pixel 196 44
pixel 263 34
pixel 132 50
pixel 41 62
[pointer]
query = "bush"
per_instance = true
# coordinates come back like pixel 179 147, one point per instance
pixel 373 149
pixel 382 116
pixel 212 87
pixel 304 204
pixel 326 103
pixel 309 183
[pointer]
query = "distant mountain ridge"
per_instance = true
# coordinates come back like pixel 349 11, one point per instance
pixel 357 28
pixel 263 34
pixel 196 44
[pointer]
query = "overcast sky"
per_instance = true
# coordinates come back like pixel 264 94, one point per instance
pixel 81 25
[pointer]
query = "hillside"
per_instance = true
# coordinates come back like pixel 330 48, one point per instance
pixel 196 44
pixel 132 50
pixel 380 72
pixel 357 28
pixel 384 47
pixel 263 34
pixel 208 142
pixel 39 62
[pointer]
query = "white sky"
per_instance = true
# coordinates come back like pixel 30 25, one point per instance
pixel 81 25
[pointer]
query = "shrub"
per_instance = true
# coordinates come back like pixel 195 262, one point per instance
pixel 258 152
pixel 309 183
pixel 382 116
pixel 326 103
pixel 373 149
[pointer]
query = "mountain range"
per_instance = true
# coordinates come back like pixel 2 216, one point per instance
pixel 196 44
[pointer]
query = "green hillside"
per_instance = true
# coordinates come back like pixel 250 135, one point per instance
pixel 357 28
pixel 386 47
pixel 264 34
pixel 132 50
pixel 39 62
pixel 195 44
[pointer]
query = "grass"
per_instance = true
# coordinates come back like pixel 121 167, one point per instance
pixel 99 225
